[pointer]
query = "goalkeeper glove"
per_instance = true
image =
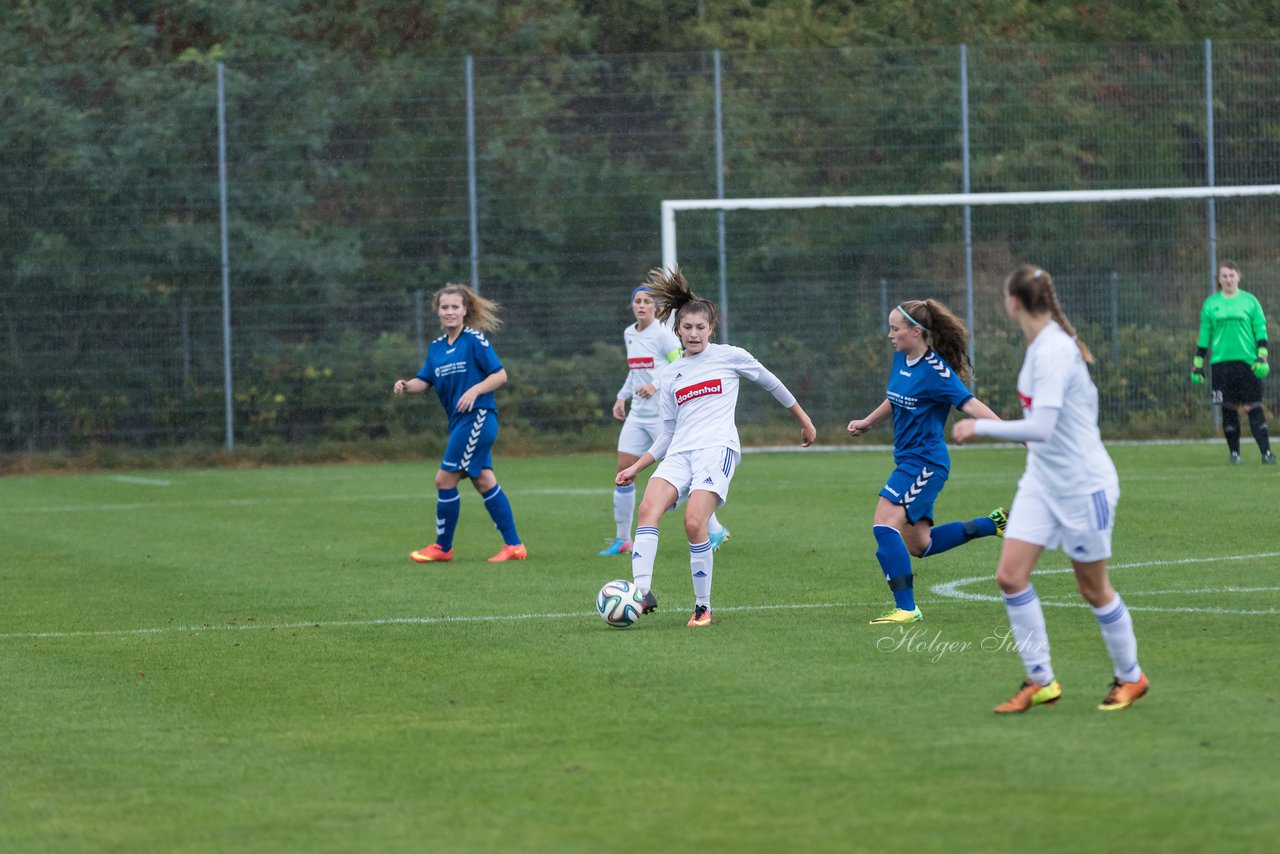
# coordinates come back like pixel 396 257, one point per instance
pixel 1261 368
pixel 1197 370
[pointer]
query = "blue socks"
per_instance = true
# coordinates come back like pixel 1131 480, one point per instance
pixel 954 534
pixel 447 507
pixel 895 560
pixel 495 501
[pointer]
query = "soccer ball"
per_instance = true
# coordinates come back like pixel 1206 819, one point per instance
pixel 619 603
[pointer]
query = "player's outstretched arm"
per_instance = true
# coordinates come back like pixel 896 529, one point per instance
pixel 628 475
pixel 1038 426
pixel 977 409
pixel 409 386
pixel 858 426
pixel 808 435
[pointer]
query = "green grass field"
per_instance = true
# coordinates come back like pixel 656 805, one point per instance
pixel 216 660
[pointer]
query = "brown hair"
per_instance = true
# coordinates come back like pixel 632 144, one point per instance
pixel 482 313
pixel 947 334
pixel 1230 265
pixel 1032 286
pixel 672 294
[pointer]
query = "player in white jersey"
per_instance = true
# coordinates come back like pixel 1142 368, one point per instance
pixel 650 347
pixel 1066 498
pixel 699 446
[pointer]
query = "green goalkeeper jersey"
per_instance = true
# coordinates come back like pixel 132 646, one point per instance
pixel 1231 327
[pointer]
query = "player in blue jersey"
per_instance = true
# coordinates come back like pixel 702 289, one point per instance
pixel 924 384
pixel 464 371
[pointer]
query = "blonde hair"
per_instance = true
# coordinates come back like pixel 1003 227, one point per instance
pixel 482 313
pixel 1032 286
pixel 672 294
pixel 947 334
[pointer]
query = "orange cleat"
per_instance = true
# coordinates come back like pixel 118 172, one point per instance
pixel 517 552
pixel 432 554
pixel 1031 694
pixel 701 616
pixel 1123 694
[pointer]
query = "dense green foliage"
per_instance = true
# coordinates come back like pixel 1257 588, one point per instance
pixel 348 195
pixel 248 661
pixel 151 31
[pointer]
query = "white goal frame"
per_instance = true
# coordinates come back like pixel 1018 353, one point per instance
pixel 671 206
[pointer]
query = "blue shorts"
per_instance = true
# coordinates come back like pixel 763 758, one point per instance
pixel 915 486
pixel 470 442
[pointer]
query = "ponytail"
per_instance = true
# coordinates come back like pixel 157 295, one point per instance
pixel 1032 286
pixel 946 332
pixel 673 296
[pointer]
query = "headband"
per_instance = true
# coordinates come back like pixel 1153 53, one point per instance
pixel 902 311
pixel 642 289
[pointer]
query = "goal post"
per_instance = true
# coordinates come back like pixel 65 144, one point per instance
pixel 1128 267
pixel 671 206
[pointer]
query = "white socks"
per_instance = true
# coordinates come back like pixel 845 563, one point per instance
pixel 1026 623
pixel 1117 632
pixel 643 550
pixel 624 510
pixel 701 560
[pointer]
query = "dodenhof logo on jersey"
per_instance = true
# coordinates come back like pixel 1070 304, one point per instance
pixel 697 390
pixel 640 363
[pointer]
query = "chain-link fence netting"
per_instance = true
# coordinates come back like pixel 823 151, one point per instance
pixel 354 191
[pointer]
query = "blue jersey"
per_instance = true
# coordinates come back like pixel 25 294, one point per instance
pixel 922 394
pixel 453 368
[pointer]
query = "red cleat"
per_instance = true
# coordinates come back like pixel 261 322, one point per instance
pixel 517 552
pixel 431 554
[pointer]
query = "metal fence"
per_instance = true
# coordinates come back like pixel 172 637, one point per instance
pixel 145 302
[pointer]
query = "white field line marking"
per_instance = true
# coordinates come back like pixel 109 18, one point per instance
pixel 981 446
pixel 427 496
pixel 142 481
pixel 951 589
pixel 594 490
pixel 385 621
pixel 1129 594
pixel 258 502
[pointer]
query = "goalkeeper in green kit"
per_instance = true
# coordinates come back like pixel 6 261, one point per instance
pixel 1233 331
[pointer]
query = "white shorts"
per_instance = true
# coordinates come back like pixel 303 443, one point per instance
pixel 1080 525
pixel 709 469
pixel 638 436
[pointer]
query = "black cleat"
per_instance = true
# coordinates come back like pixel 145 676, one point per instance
pixel 650 603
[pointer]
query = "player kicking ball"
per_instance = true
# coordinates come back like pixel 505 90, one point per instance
pixel 699 446
pixel 650 347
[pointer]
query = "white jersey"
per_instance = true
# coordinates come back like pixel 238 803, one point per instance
pixel 648 351
pixel 699 395
pixel 1073 460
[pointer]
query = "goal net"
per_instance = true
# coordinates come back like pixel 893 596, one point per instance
pixel 808 282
